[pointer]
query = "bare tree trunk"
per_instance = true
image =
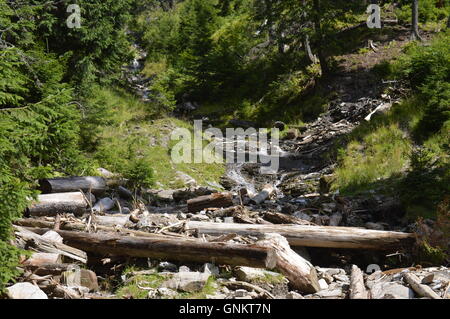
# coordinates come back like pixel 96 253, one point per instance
pixel 318 26
pixel 415 22
pixel 309 52
pixel 312 236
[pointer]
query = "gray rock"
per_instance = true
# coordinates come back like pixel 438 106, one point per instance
pixel 104 205
pixel 250 274
pixel 294 295
pixel 25 290
pixel 342 278
pixel 331 294
pixel 200 218
pixel 323 284
pixel 167 266
pixel 187 281
pixel 184 269
pixel 211 269
pixel 240 293
pixel 390 290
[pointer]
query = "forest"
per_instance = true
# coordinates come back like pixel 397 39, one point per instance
pixel 363 114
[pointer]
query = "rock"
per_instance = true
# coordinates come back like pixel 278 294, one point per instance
pixel 331 294
pixel 342 278
pixel 187 281
pixel 390 290
pixel 279 125
pixel 331 271
pixel 250 274
pixel 104 205
pixel 199 218
pixel 186 179
pixel 103 172
pixel 184 269
pixel 428 279
pixel 167 266
pixel 303 216
pixel 335 219
pixel 328 278
pixel 294 295
pixel 210 269
pixel 166 293
pixel 323 284
pixel 25 290
pixel 240 293
pixel 76 277
pixel 292 134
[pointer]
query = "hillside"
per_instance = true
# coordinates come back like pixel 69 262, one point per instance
pixel 358 179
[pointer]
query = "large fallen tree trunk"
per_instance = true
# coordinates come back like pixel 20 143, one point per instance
pixel 269 254
pixel 93 184
pixel 44 225
pixel 26 239
pixel 214 200
pixel 311 236
pixel 53 204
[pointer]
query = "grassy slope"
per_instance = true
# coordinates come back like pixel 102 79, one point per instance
pixel 129 133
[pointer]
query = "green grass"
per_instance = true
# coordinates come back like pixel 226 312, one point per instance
pixel 129 135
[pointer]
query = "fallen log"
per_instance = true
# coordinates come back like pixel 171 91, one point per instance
pixel 38 259
pixel 54 204
pixel 300 272
pixel 93 184
pixel 357 288
pixel 263 195
pixel 207 201
pixel 29 240
pixel 271 253
pixel 311 236
pixel 48 269
pixel 420 289
pixel 44 225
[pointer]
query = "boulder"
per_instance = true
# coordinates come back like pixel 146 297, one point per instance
pixel 250 274
pixel 391 290
pixel 187 281
pixel 25 290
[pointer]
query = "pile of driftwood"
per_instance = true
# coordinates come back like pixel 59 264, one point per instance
pixel 54 232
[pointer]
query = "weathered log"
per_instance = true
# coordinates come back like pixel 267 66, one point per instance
pixel 93 184
pixel 312 236
pixel 300 272
pixel 208 201
pixel 48 269
pixel 421 290
pixel 271 253
pixel 357 288
pixel 28 239
pixel 38 259
pixel 263 195
pixel 53 204
pixel 38 223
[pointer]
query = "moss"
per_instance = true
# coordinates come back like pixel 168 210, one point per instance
pixel 131 289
